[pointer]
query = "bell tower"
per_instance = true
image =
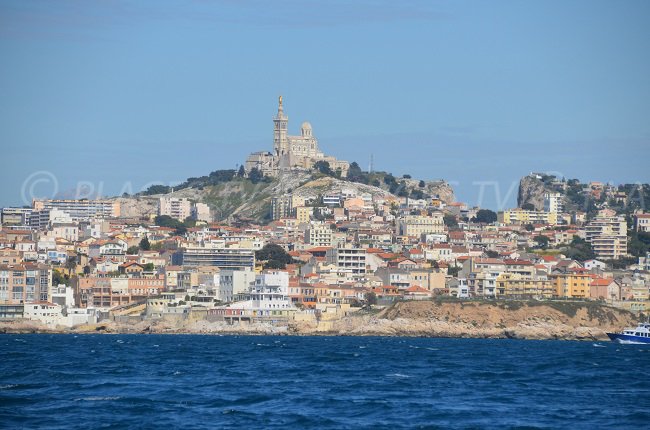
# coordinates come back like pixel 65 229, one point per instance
pixel 280 141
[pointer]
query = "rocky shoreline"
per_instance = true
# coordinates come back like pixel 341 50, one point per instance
pixel 516 320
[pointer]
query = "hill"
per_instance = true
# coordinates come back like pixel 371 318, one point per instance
pixel 234 197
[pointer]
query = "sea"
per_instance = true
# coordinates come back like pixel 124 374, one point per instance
pixel 265 382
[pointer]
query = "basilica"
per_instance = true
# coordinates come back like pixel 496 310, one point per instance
pixel 291 152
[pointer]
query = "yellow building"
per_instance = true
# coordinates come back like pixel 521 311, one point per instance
pixel 572 285
pixel 520 216
pixel 515 285
pixel 303 214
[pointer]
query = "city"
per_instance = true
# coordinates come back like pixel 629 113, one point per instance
pixel 354 242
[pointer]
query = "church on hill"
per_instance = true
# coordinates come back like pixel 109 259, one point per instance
pixel 291 152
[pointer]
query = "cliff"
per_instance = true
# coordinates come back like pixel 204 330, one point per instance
pixel 519 320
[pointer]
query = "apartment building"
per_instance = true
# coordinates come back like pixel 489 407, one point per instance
pixel 517 286
pixel 572 285
pixel 521 216
pixel 349 261
pixel 223 258
pixel 175 207
pixel 417 225
pixel 319 235
pixel 25 283
pixel 607 236
pixel 553 203
pixel 81 210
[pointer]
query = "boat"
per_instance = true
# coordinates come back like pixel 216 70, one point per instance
pixel 640 334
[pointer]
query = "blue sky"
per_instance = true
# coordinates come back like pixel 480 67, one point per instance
pixel 113 96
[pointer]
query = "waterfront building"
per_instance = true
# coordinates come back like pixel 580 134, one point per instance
pixel 25 283
pixel 572 285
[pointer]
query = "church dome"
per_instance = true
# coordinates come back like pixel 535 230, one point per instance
pixel 305 129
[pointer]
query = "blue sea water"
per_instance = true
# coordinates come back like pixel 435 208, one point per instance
pixel 196 381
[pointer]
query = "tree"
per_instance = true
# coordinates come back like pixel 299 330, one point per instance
pixel 241 172
pixel 579 250
pixel 167 221
pixel 71 264
pixel 58 278
pixel 528 207
pixel 149 267
pixel 133 250
pixel 542 241
pixel 485 216
pixel 144 244
pixel 453 270
pixel 529 227
pixel 157 189
pixel 421 184
pixel 450 221
pixel 492 254
pixel 324 167
pixel 407 176
pixel 274 256
pixel 371 298
pixel 255 175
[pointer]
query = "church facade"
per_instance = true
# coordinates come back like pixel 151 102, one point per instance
pixel 291 152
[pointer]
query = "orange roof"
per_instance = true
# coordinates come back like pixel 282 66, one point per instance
pixel 603 282
pixel 416 289
pixel 318 249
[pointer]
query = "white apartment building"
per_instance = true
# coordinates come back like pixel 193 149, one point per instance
pixel 319 235
pixel 271 291
pixel 349 262
pixel 607 236
pixel 81 210
pixel 174 207
pixel 233 283
pixel 553 203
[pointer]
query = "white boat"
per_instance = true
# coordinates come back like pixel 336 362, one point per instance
pixel 640 334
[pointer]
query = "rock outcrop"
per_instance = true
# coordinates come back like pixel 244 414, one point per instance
pixel 516 320
pixel 531 190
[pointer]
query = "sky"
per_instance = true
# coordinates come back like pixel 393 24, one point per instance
pixel 106 97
